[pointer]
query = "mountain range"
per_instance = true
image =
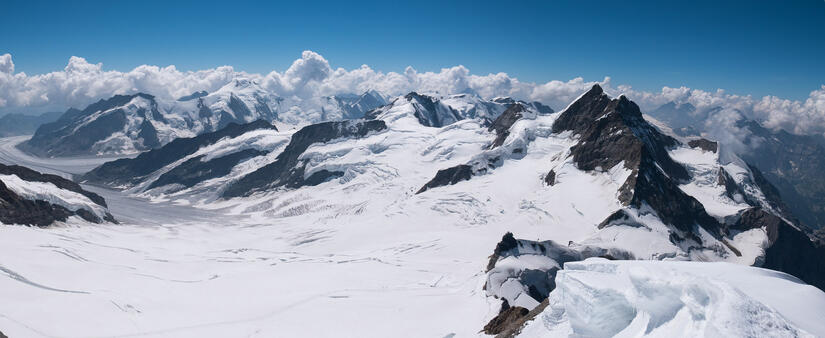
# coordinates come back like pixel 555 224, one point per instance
pixel 598 166
pixel 600 183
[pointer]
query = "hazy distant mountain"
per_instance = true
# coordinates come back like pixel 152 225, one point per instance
pixel 15 124
pixel 128 124
pixel 795 164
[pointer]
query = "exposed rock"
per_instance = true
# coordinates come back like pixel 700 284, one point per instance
pixel 550 178
pixel 732 190
pixel 503 122
pixel 128 171
pixel 449 176
pixel 620 217
pixel 432 114
pixel 195 170
pixel 757 218
pixel 16 209
pixel 704 144
pixel 508 242
pixel 27 174
pixel 513 328
pixel 149 135
pixel 795 253
pixel 613 131
pixel 504 319
pixel 522 274
pixel 535 105
pixel 288 171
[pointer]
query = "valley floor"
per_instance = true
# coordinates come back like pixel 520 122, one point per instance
pixel 177 271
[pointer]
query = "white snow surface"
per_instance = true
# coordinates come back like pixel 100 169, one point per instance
pixel 48 192
pixel 360 255
pixel 601 298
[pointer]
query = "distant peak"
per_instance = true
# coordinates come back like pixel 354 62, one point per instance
pixel 595 90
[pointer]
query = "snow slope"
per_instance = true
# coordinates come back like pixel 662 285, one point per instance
pixel 360 254
pixel 604 298
pixel 45 191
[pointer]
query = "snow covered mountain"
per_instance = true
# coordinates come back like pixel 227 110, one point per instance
pixel 792 163
pixel 347 107
pixel 418 207
pixel 128 124
pixel 598 167
pixel 28 197
pixel 439 111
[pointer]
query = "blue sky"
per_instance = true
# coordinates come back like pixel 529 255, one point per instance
pixel 746 47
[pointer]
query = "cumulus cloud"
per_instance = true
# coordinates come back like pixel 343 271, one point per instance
pixel 6 66
pixel 311 77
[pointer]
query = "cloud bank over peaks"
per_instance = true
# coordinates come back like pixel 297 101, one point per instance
pixel 310 78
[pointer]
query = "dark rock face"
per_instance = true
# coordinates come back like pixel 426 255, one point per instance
pixel 733 190
pixel 704 144
pixel 550 178
pixel 503 122
pixel 239 112
pixel 620 217
pixel 287 171
pixel 62 183
pixel 149 135
pixel 508 242
pixel 14 209
pixel 70 136
pixel 757 218
pixel 449 176
pixel 793 248
pixel 794 252
pixel 463 172
pixel 129 171
pixel 505 318
pixel 512 328
pixel 612 131
pixel 539 282
pixel 427 111
pixel 195 170
pixel 535 105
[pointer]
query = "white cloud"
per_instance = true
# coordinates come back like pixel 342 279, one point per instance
pixel 6 66
pixel 311 77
